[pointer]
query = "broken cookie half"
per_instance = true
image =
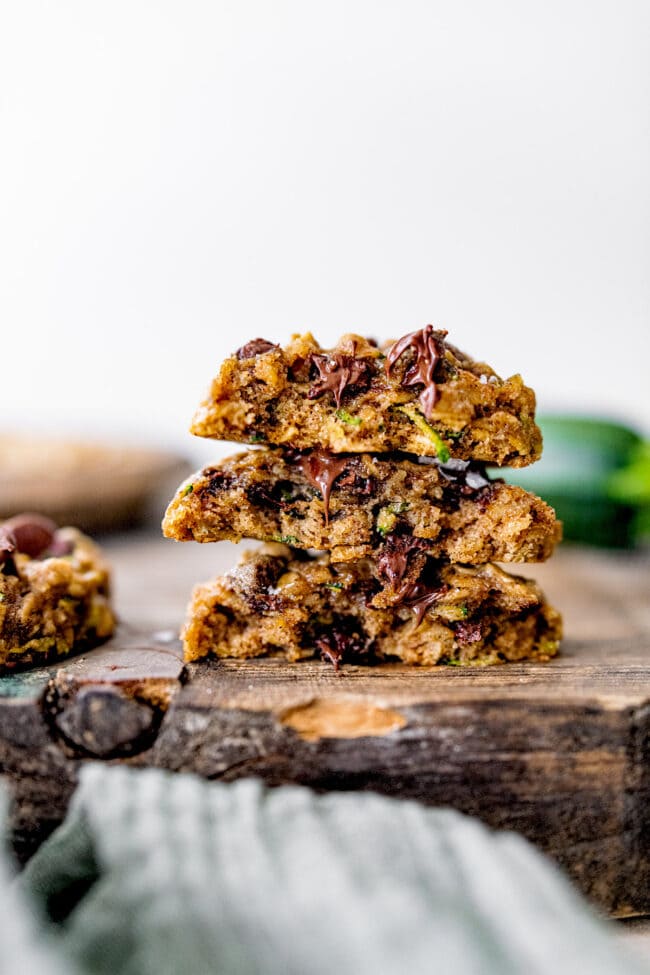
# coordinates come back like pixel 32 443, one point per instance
pixel 275 603
pixel 350 504
pixel 419 394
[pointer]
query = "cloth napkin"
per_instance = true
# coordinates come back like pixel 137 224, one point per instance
pixel 154 873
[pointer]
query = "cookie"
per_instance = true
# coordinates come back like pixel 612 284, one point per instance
pixel 350 504
pixel 419 394
pixel 54 592
pixel 275 603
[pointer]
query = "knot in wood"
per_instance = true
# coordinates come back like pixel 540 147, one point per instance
pixel 101 721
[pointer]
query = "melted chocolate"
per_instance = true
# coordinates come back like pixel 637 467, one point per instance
pixel 396 556
pixel 255 347
pixel 396 563
pixel 339 372
pixel 338 644
pixel 468 476
pixel 419 597
pixel 321 469
pixel 428 347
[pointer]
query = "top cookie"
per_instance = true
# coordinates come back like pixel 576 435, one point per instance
pixel 419 394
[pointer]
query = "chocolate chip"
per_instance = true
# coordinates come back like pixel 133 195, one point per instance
pixel 217 481
pixel 337 373
pixel 366 487
pixel 428 347
pixel 255 347
pixel 396 557
pixel 33 533
pixel 340 642
pixel 261 603
pixel 8 546
pixel 467 476
pixel 255 581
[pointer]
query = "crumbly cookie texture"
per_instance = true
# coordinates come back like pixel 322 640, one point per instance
pixel 419 394
pixel 274 603
pixel 351 505
pixel 54 593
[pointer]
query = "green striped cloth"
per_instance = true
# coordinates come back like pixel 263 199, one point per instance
pixel 154 874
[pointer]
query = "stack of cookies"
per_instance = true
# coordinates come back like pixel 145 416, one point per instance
pixel 368 486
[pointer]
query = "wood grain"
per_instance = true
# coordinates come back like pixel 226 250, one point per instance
pixel 557 751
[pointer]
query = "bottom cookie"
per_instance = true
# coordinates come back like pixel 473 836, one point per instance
pixel 277 602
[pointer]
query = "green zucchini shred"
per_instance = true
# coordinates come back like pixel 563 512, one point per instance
pixel 346 417
pixel 414 415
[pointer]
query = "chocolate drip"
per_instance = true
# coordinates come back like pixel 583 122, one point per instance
pixel 338 372
pixel 419 597
pixel 255 347
pixel 321 469
pixel 428 346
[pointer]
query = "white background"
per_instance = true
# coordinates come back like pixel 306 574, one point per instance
pixel 178 177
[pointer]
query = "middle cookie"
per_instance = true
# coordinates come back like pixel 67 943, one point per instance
pixel 352 505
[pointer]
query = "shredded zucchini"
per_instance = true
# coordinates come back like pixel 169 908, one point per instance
pixel 425 427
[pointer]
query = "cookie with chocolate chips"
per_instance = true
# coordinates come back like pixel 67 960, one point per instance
pixel 452 614
pixel 351 505
pixel 419 394
pixel 54 592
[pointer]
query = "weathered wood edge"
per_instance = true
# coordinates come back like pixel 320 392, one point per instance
pixel 577 785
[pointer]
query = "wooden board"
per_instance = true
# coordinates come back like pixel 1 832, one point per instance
pixel 558 752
